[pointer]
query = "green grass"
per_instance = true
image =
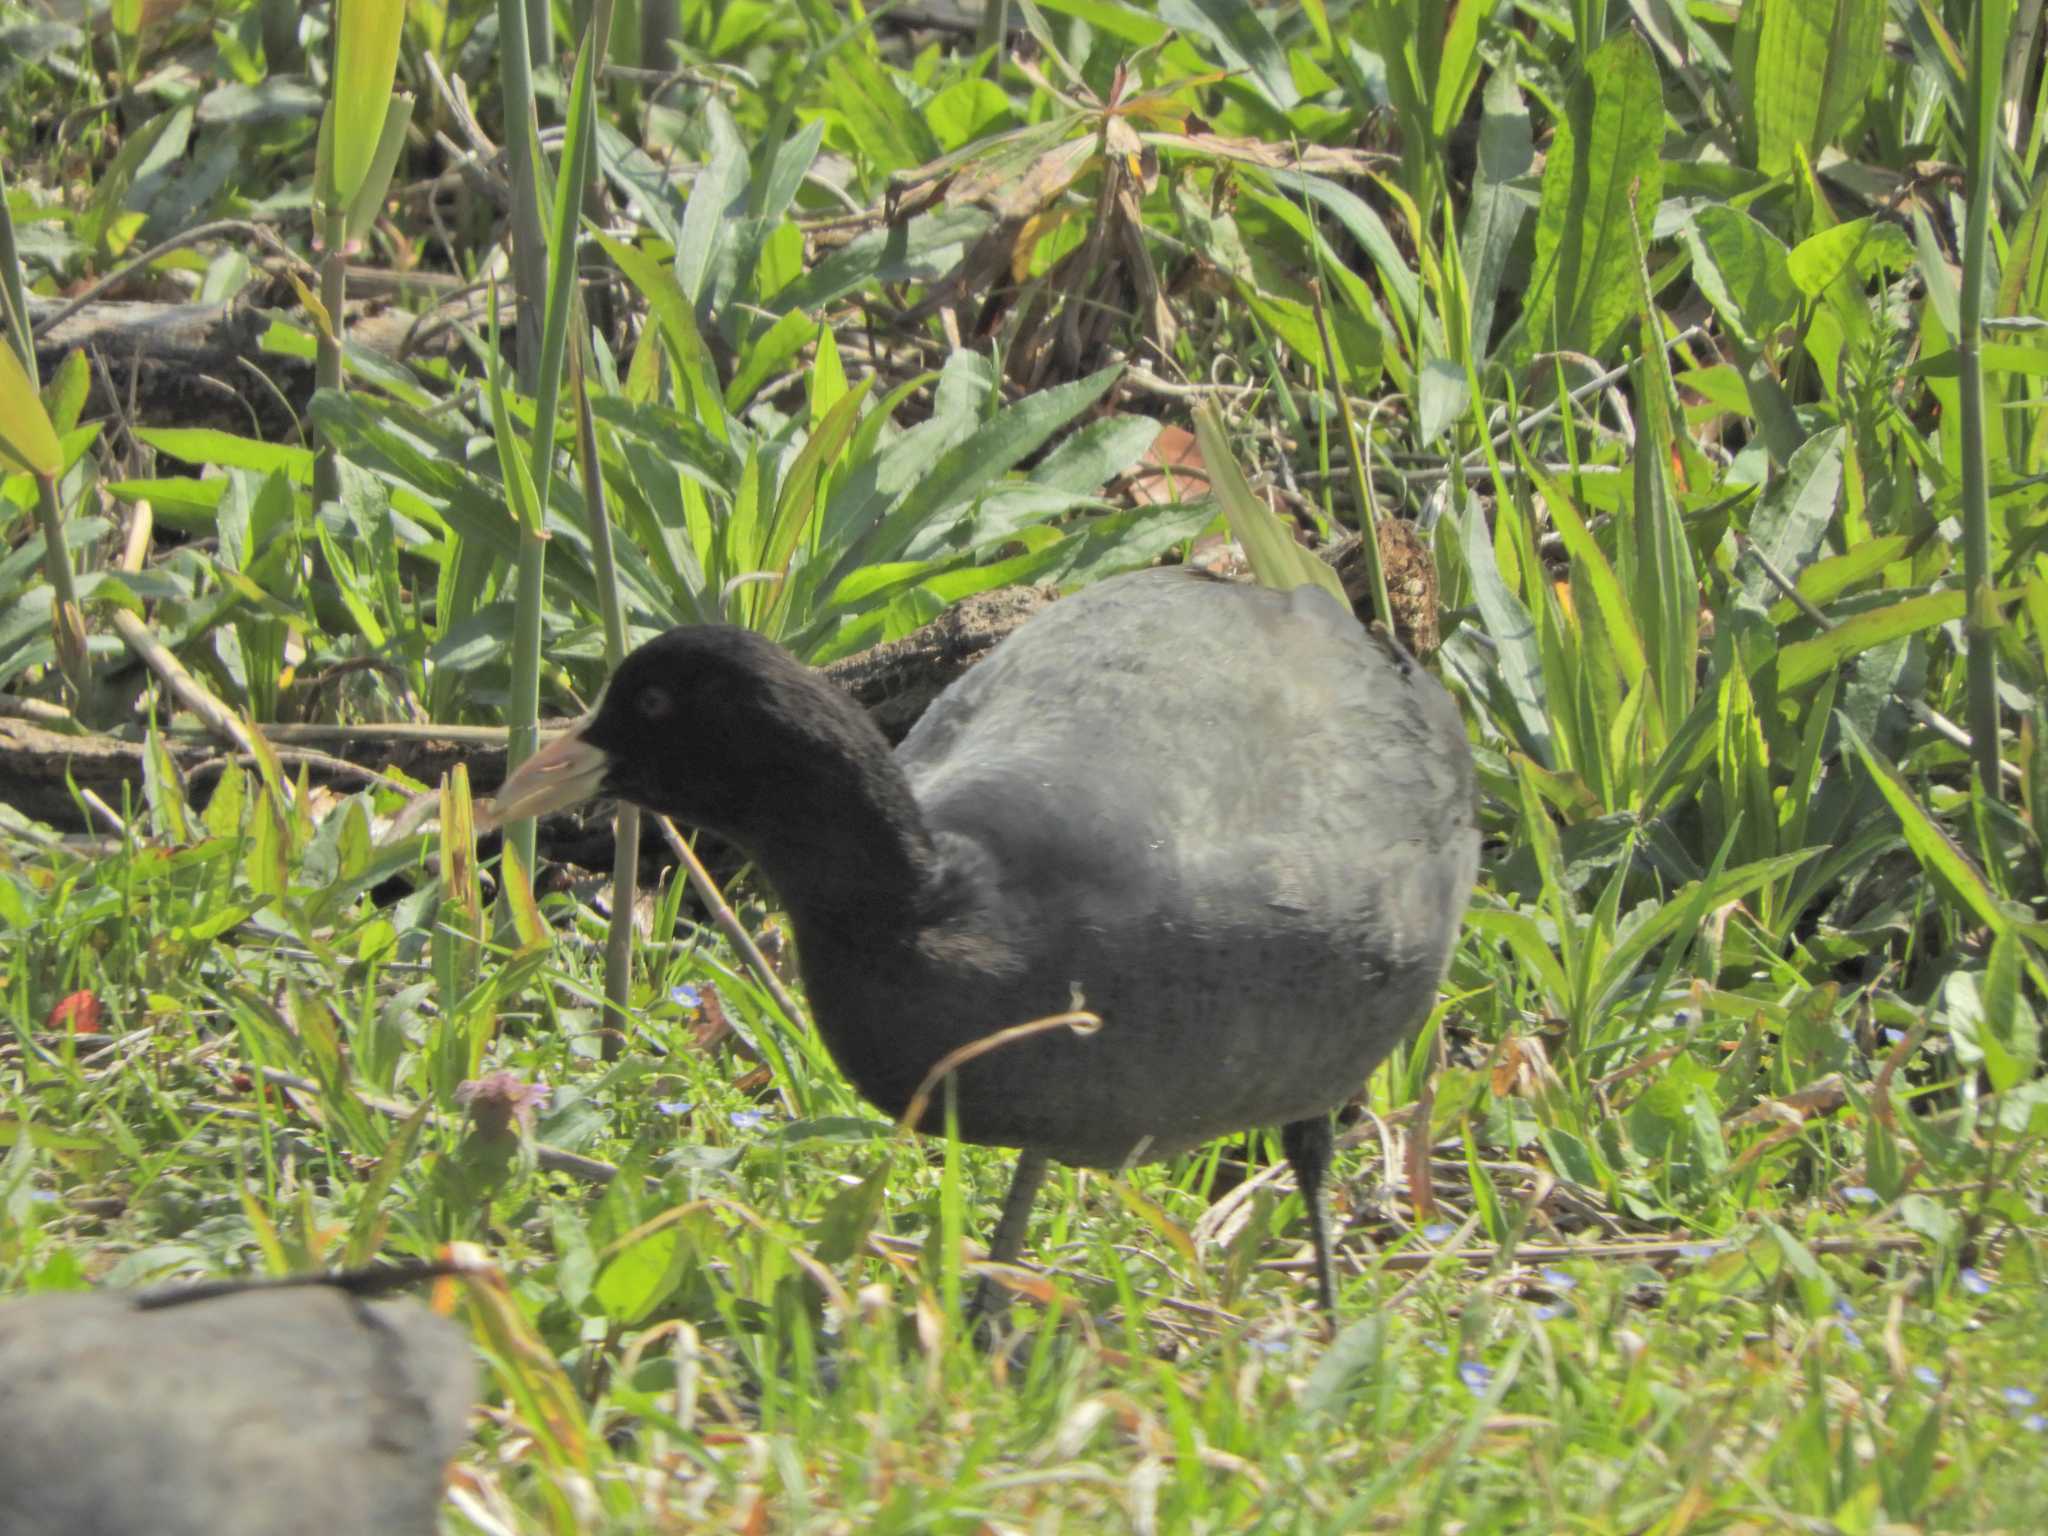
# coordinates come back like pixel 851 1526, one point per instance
pixel 1723 1325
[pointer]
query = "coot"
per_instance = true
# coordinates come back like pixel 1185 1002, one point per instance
pixel 1227 819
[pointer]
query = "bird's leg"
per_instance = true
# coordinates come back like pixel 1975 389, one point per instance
pixel 1010 1226
pixel 1311 1146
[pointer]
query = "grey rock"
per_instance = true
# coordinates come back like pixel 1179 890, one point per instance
pixel 302 1410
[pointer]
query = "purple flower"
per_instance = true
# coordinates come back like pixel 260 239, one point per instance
pixel 1557 1279
pixel 1855 1339
pixel 1437 1231
pixel 1974 1282
pixel 1927 1375
pixel 674 1106
pixel 1842 1308
pixel 2034 1422
pixel 746 1119
pixel 1476 1377
pixel 1543 1312
pixel 498 1099
pixel 1698 1250
pixel 2020 1397
pixel 686 996
pixel 1861 1194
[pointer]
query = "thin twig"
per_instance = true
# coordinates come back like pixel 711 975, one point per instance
pixel 190 237
pixel 1079 1020
pixel 727 921
pixel 195 696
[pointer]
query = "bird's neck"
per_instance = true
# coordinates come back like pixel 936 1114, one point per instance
pixel 848 848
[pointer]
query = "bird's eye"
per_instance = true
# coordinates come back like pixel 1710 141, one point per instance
pixel 654 704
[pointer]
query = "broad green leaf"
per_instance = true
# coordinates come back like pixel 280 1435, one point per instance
pixel 205 445
pixel 1740 267
pixel 1276 559
pixel 368 200
pixel 677 325
pixel 28 442
pixel 890 131
pixel 1590 562
pixel 1112 18
pixel 925 248
pixel 797 506
pixel 365 63
pixel 1814 62
pixel 1804 660
pixel 1658 571
pixel 1940 855
pixel 717 194
pixel 1684 915
pixel 1241 37
pixel 1855 251
pixel 1791 526
pixel 1512 631
pixel 640 1277
pixel 1603 176
pixel 1499 206
pixel 979 461
pixel 1829 577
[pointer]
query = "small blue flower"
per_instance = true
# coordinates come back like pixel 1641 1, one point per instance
pixel 1437 1231
pixel 747 1119
pixel 43 1196
pixel 1698 1250
pixel 1855 1339
pixel 2020 1397
pixel 1434 1347
pixel 1974 1282
pixel 1558 1280
pixel 1543 1312
pixel 2034 1422
pixel 1272 1343
pixel 1476 1377
pixel 1927 1375
pixel 1842 1307
pixel 674 1106
pixel 1894 1036
pixel 1861 1194
pixel 686 996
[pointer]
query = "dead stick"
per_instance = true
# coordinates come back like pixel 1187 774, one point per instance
pixel 157 656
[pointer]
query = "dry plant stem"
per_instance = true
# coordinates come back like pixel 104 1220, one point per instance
pixel 327 369
pixel 726 921
pixel 41 711
pixel 1080 1021
pixel 1601 380
pixel 321 760
pixel 897 1248
pixel 1653 1251
pixel 69 618
pixel 153 653
pixel 1421 1192
pixel 241 228
pixel 1361 465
